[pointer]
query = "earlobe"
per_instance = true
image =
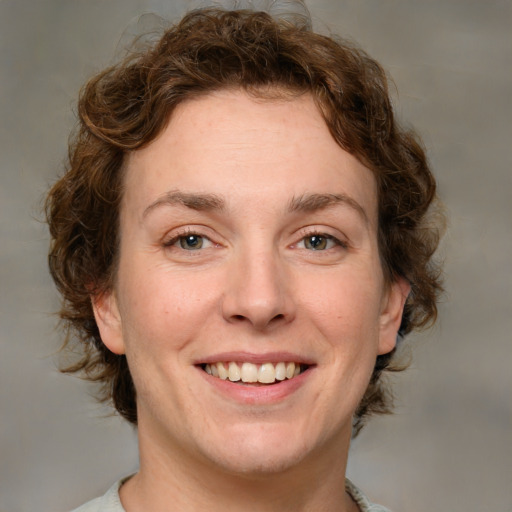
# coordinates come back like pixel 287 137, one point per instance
pixel 108 319
pixel 391 314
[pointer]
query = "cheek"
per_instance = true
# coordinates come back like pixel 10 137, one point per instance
pixel 344 304
pixel 161 308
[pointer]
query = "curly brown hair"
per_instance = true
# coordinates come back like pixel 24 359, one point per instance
pixel 126 106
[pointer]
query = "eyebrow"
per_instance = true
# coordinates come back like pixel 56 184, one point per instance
pixel 306 203
pixel 314 202
pixel 199 202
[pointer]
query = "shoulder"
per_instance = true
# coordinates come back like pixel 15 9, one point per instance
pixel 364 504
pixel 109 502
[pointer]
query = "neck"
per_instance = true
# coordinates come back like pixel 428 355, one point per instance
pixel 168 480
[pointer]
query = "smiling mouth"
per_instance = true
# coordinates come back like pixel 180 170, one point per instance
pixel 255 374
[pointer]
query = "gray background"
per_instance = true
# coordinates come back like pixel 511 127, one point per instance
pixel 449 446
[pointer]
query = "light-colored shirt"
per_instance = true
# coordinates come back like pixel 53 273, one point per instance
pixel 110 502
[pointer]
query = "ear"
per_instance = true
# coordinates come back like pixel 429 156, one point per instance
pixel 391 314
pixel 108 319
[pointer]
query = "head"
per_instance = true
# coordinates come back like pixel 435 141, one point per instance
pixel 124 109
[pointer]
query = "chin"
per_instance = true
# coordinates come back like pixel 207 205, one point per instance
pixel 261 450
pixel 251 463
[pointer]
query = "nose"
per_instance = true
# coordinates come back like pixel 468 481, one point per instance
pixel 258 292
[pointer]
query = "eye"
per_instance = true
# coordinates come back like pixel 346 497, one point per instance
pixel 316 242
pixel 189 242
pixel 319 242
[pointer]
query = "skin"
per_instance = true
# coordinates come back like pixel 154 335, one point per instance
pixel 238 174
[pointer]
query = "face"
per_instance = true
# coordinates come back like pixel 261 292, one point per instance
pixel 249 300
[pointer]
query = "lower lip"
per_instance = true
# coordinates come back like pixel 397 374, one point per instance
pixel 258 395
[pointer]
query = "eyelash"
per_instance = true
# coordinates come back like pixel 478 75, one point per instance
pixel 325 236
pixel 182 235
pixel 189 232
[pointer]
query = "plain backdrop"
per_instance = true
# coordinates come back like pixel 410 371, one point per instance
pixel 449 445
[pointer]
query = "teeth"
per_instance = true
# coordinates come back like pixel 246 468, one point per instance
pixel 223 373
pixel 267 373
pixel 280 371
pixel 290 370
pixel 249 372
pixel 233 372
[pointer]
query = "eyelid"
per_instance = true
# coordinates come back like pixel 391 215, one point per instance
pixel 309 231
pixel 174 235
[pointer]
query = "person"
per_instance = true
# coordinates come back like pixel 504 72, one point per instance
pixel 242 235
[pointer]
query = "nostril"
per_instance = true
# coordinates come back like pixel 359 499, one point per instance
pixel 242 318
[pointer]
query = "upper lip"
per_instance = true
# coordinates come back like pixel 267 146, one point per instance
pixel 251 357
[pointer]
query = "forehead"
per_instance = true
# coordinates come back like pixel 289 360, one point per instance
pixel 236 145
